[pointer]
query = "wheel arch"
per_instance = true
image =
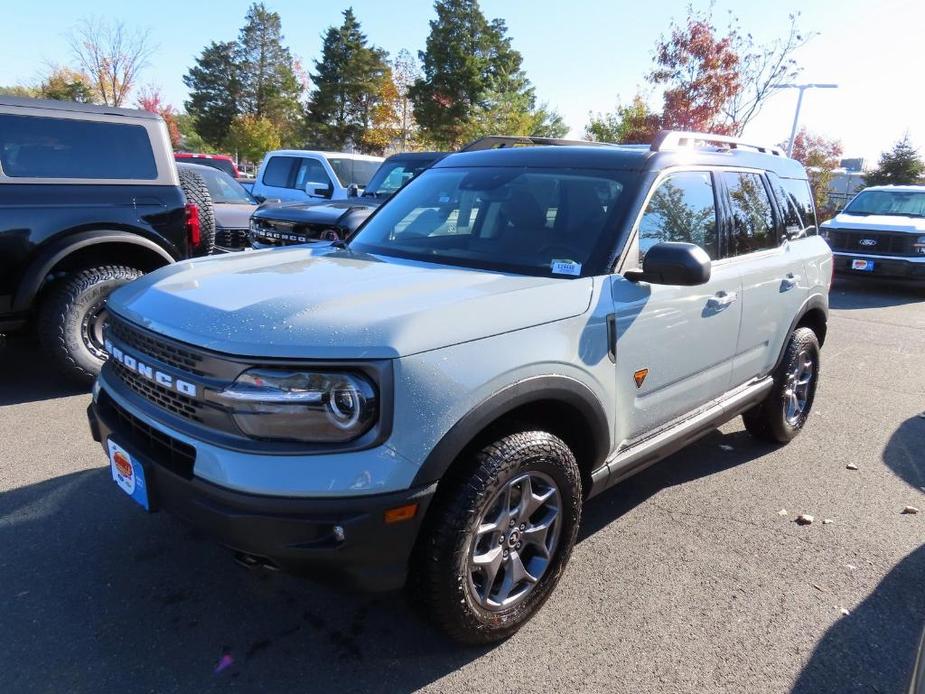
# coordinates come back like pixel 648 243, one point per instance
pixel 87 249
pixel 560 405
pixel 813 314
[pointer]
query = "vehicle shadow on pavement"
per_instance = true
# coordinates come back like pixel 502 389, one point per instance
pixel 873 648
pixel 27 375
pixel 848 294
pixel 904 454
pixel 700 459
pixel 96 595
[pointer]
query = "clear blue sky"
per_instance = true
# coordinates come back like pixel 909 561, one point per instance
pixel 581 56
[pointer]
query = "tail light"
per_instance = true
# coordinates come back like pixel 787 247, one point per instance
pixel 193 229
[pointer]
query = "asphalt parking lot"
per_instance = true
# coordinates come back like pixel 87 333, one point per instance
pixel 685 579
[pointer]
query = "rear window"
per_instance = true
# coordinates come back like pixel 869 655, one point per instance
pixel 220 164
pixel 38 147
pixel 353 171
pixel 803 197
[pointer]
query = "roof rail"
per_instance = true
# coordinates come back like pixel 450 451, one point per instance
pixel 503 141
pixel 672 139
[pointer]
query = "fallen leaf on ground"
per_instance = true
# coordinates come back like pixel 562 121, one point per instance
pixel 851 466
pixel 782 512
pixel 804 519
pixel 910 509
pixel 826 521
pixel 845 612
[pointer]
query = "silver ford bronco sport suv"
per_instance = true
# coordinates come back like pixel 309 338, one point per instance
pixel 514 332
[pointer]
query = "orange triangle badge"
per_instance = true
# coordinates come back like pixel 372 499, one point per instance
pixel 640 377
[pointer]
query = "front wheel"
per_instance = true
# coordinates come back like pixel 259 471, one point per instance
pixel 499 539
pixel 783 413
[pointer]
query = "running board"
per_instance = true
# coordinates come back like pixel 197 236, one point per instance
pixel 643 454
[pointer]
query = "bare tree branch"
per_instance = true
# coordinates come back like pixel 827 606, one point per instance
pixel 111 55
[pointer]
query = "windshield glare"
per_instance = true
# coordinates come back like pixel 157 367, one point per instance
pixel 889 202
pixel 531 221
pixel 224 189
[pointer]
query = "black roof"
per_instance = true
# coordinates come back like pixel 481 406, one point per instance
pixel 623 157
pixel 417 156
pixel 74 107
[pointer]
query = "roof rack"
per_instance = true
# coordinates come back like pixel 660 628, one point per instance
pixel 503 141
pixel 673 139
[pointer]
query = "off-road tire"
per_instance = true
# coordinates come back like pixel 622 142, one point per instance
pixel 194 187
pixel 768 420
pixel 442 554
pixel 60 324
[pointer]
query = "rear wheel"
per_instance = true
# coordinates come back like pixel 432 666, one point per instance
pixel 498 540
pixel 70 321
pixel 783 413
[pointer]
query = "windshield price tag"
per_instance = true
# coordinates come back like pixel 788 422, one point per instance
pixel 566 267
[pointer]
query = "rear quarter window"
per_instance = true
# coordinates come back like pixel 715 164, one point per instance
pixel 39 147
pixel 278 172
pixel 802 196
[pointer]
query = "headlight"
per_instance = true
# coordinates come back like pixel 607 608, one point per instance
pixel 919 245
pixel 311 406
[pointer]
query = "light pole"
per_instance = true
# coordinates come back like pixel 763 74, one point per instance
pixel 796 116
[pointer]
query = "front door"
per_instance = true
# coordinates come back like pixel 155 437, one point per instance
pixel 675 345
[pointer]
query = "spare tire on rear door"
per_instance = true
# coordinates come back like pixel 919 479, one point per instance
pixel 194 187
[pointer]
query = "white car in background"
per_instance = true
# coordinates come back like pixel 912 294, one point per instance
pixel 302 175
pixel 880 234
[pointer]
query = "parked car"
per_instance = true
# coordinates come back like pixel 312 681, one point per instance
pixel 89 200
pixel 232 207
pixel 222 162
pixel 302 175
pixel 297 222
pixel 881 234
pixel 514 332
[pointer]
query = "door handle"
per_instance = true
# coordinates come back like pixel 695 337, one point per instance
pixel 722 300
pixel 789 282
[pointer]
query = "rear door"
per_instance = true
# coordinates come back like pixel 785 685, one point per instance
pixel 773 278
pixel 675 345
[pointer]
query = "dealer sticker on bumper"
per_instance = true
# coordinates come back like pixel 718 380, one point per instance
pixel 127 473
pixel 858 264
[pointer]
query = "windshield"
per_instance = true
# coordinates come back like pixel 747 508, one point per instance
pixel 530 221
pixel 224 189
pixel 392 175
pixel 902 203
pixel 350 171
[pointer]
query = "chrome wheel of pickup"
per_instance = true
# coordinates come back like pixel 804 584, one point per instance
pixel 516 537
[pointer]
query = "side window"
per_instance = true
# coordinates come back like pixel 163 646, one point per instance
pixel 683 208
pixel 37 147
pixel 311 171
pixel 803 197
pixel 752 215
pixel 278 172
pixel 793 224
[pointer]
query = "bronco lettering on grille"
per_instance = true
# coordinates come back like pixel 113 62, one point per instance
pixel 164 380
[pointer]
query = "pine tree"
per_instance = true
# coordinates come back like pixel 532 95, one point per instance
pixel 269 86
pixel 902 165
pixel 468 67
pixel 215 90
pixel 352 86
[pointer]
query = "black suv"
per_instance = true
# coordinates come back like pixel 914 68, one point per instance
pixel 301 222
pixel 90 199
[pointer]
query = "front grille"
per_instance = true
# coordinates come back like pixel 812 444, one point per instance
pixel 168 399
pixel 886 243
pixel 272 233
pixel 176 456
pixel 172 355
pixel 231 238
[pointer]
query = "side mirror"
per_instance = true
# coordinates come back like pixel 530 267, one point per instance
pixel 670 262
pixel 316 189
pixel 353 191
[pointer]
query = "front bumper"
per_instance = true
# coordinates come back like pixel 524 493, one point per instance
pixel 294 534
pixel 885 267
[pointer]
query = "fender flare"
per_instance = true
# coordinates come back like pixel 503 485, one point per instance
pixel 562 389
pixel 816 301
pixel 39 268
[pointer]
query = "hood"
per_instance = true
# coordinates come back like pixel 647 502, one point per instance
pixel 318 213
pixel 877 222
pixel 326 303
pixel 233 215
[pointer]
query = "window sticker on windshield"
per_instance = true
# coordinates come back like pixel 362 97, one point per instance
pixel 566 267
